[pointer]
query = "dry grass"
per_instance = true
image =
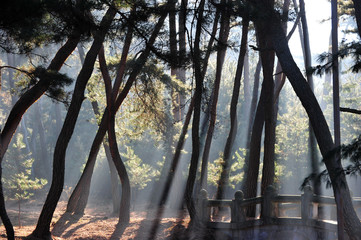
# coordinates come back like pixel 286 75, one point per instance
pixel 95 224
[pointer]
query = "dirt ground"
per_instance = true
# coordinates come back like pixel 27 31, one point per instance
pixel 97 223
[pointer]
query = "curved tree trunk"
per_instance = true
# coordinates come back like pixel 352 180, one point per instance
pixel 113 172
pixel 196 118
pixel 124 209
pixel 79 197
pixel 18 110
pixel 42 229
pixel 319 124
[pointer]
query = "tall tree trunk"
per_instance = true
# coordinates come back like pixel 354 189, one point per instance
pixel 169 131
pixel 224 178
pixel 18 110
pixel 319 124
pixel 336 109
pixel 267 57
pixel 221 53
pixel 312 144
pixel 42 229
pixel 181 140
pixel 176 108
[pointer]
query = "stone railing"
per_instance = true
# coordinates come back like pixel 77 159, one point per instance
pixel 273 205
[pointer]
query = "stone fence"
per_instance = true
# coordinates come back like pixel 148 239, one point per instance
pixel 273 205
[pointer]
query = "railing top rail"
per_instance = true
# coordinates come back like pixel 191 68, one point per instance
pixel 279 198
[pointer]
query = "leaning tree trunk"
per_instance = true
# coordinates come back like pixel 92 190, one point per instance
pixel 113 172
pixel 18 110
pixel 78 198
pixel 319 124
pixel 42 229
pixel 124 210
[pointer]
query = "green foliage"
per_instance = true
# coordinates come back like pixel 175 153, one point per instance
pixel 18 184
pixel 140 173
pixel 352 49
pixel 21 187
pixel 235 174
pixel 291 148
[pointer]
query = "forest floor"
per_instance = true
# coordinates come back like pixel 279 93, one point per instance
pixel 96 223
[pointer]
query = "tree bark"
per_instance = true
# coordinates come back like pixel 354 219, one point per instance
pixel 267 58
pixel 249 185
pixel 42 229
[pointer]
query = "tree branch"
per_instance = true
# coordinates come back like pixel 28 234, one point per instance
pixel 350 110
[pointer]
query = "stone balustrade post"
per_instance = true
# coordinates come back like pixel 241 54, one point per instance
pixel 204 209
pixel 267 204
pixel 306 203
pixel 237 211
